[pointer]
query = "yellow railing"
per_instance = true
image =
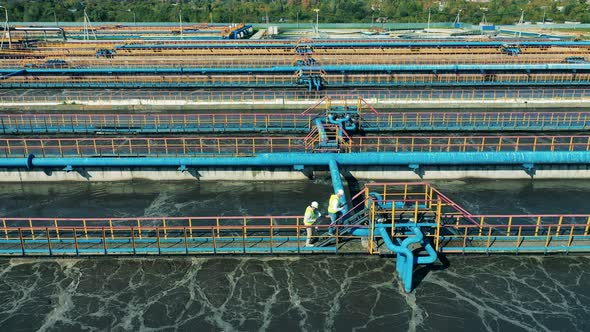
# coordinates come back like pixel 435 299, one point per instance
pixel 483 119
pixel 239 234
pixel 174 121
pixel 248 146
pixel 299 96
pixel 514 233
pixel 173 146
pixel 268 79
pixel 471 143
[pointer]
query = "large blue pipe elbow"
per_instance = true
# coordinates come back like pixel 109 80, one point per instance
pixel 432 256
pixel 419 237
pixel 340 122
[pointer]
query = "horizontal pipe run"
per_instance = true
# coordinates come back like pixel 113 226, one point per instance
pixel 292 69
pixel 317 159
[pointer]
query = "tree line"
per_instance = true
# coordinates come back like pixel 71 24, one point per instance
pixel 292 11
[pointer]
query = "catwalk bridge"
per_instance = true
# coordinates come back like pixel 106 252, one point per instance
pixel 415 221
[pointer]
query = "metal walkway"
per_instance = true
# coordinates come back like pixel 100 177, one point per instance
pixel 288 123
pixel 390 218
pixel 389 205
pixel 252 146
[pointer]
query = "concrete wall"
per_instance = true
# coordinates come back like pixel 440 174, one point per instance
pixel 135 105
pixel 127 174
pixel 284 174
pixel 463 172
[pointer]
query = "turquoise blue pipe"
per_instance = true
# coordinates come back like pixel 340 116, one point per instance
pixel 319 124
pixel 419 238
pixel 387 205
pixel 340 123
pixel 404 262
pixel 316 159
pixel 337 184
pixel 405 257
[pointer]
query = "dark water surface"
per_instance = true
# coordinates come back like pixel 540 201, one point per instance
pixel 307 293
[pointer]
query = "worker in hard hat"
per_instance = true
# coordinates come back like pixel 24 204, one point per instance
pixel 334 208
pixel 311 215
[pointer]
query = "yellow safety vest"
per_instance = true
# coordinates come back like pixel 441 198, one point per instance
pixel 312 216
pixel 331 203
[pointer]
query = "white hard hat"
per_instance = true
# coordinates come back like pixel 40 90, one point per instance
pixel 315 205
pixel 340 192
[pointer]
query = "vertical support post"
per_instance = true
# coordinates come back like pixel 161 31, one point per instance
pixel 587 227
pixel 22 241
pixel 32 229
pixel 214 240
pixel 165 228
pixel 5 228
pixel 559 225
pixel 185 240
pixel 190 227
pixel 518 237
pixel 509 226
pixel 405 192
pixel 104 241
pixel 76 242
pixel 465 239
pixel 489 236
pixel 217 223
pixel 338 238
pixel 85 228
pixel 298 231
pixel 139 227
pixel 571 237
pixel 133 241
pixel 158 239
pixel 48 241
pixel 539 225
pixel 244 239
pixel 481 221
pixel 111 229
pixel 392 218
pixel 271 235
pixel 438 220
pixel 372 232
pixel 56 229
